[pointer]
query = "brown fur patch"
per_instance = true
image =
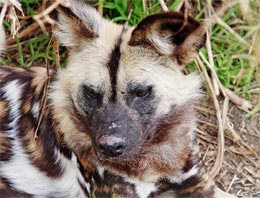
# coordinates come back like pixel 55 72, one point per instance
pixel 3 109
pixel 5 144
pixel 39 79
pixel 27 106
pixel 5 147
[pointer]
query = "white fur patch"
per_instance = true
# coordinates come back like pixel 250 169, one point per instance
pixel 143 189
pixel 35 109
pixel 101 171
pixel 180 177
pixel 162 44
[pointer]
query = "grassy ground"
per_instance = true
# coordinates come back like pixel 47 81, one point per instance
pixel 232 53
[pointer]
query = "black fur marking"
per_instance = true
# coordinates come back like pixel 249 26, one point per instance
pixel 190 182
pixel 8 192
pixel 144 105
pixel 179 32
pixel 200 194
pixel 189 164
pixel 90 99
pixel 113 65
pixel 103 194
pixel 181 189
pixel 84 189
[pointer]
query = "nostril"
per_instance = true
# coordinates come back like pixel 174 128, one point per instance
pixel 148 137
pixel 102 147
pixel 119 149
pixel 111 145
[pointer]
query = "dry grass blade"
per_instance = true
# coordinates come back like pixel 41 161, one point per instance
pixel 236 138
pixel 247 56
pixel 57 54
pixel 15 24
pixel 240 102
pixel 178 8
pixel 11 16
pixel 31 28
pixel 213 72
pixel 220 155
pixel 3 11
pixel 144 5
pixel 211 65
pixel 163 5
pixel 100 7
pixel 43 17
pixel 227 27
pixel 17 4
pixel 44 97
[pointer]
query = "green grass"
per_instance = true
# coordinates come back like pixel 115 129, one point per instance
pixel 238 74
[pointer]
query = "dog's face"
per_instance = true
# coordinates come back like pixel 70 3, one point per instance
pixel 123 93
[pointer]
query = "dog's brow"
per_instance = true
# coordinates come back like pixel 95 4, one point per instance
pixel 113 64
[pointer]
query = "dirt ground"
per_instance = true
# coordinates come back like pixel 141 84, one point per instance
pixel 240 171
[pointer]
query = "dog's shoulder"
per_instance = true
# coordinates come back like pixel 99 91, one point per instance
pixel 31 161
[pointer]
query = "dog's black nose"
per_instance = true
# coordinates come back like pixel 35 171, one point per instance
pixel 111 145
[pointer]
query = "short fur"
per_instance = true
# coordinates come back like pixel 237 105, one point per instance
pixel 121 84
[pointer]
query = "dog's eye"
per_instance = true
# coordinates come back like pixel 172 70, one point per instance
pixel 91 93
pixel 143 92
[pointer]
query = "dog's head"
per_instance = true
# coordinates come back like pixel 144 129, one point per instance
pixel 123 92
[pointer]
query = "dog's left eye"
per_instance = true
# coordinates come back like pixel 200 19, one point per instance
pixel 144 92
pixel 90 92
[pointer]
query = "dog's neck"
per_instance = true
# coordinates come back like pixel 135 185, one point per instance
pixel 192 179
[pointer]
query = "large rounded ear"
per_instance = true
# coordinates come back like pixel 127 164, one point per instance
pixel 170 33
pixel 76 23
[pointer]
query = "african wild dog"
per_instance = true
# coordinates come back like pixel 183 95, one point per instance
pixel 119 119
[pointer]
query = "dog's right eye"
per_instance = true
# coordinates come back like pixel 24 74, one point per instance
pixel 90 92
pixel 140 93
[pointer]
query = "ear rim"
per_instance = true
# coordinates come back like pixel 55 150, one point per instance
pixel 200 35
pixel 71 16
pixel 71 24
pixel 140 34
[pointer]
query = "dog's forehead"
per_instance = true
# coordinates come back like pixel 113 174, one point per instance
pixel 111 63
pixel 106 63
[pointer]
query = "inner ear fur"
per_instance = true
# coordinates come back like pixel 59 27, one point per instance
pixel 170 33
pixel 76 23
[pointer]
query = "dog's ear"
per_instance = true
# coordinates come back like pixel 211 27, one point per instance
pixel 170 33
pixel 76 23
